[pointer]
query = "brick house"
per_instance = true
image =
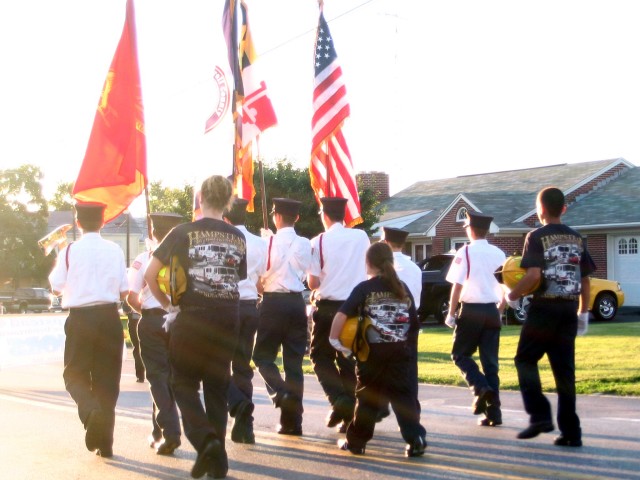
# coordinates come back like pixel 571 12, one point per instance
pixel 602 197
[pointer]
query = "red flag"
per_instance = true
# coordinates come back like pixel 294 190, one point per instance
pixel 331 169
pixel 114 169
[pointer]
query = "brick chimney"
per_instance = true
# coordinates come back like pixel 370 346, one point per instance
pixel 377 182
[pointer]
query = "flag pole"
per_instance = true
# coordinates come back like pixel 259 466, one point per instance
pixel 263 193
pixel 146 201
pixel 328 167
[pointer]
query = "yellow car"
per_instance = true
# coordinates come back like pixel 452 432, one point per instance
pixel 606 296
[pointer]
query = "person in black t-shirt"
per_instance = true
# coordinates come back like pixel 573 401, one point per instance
pixel 388 374
pixel 556 255
pixel 204 333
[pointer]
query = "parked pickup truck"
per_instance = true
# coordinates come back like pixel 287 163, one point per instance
pixel 434 299
pixel 26 300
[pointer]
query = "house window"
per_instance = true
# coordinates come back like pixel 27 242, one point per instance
pixel 628 247
pixel 421 251
pixel 458 243
pixel 461 216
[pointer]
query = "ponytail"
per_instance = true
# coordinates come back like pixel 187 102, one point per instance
pixel 380 256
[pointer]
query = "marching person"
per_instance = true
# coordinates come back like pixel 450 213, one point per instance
pixel 133 319
pixel 282 316
pixel 406 268
pixel 478 323
pixel 203 335
pixel 338 265
pixel 557 312
pixel 241 404
pixel 91 276
pixel 154 343
pixel 388 374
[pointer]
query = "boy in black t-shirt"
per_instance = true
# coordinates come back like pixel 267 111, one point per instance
pixel 204 334
pixel 557 255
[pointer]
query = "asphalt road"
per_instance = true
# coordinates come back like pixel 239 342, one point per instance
pixel 41 437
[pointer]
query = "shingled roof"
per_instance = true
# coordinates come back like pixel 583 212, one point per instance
pixel 507 195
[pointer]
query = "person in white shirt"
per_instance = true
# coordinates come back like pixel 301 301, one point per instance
pixel 154 343
pixel 478 323
pixel 240 400
pixel 338 265
pixel 283 317
pixel 91 276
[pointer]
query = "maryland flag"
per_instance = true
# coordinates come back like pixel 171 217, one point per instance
pixel 56 239
pixel 252 110
pixel 114 169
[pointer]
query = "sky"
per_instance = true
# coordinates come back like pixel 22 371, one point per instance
pixel 437 88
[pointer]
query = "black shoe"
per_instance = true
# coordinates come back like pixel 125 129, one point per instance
pixel 96 424
pixel 488 422
pixel 140 379
pixel 167 446
pixel 563 441
pixel 484 398
pixel 333 418
pixel 342 428
pixel 211 451
pixel 344 445
pixel 242 431
pixel 295 430
pixel 536 429
pixel 220 467
pixel 289 404
pixel 104 452
pixel 416 448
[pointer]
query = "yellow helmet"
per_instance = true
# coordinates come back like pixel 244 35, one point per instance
pixel 511 273
pixel 172 280
pixel 356 340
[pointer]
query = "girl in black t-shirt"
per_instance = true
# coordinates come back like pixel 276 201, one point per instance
pixel 387 374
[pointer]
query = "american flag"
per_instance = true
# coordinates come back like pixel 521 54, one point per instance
pixel 331 169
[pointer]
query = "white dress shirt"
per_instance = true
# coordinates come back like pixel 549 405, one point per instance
pixel 256 264
pixel 410 274
pixel 137 284
pixel 288 259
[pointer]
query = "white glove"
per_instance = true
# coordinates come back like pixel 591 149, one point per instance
pixel 170 317
pixel 265 233
pixel 515 304
pixel 450 321
pixel 335 343
pixel 583 323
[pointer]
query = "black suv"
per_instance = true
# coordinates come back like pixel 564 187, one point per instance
pixel 436 291
pixel 30 299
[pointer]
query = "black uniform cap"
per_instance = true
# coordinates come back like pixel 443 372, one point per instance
pixel 286 206
pixel 90 211
pixel 394 235
pixel 165 221
pixel 333 205
pixel 478 220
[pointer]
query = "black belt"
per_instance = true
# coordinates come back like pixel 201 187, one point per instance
pixel 477 303
pixel 100 306
pixel 154 311
pixel 276 294
pixel 329 302
pixel 250 302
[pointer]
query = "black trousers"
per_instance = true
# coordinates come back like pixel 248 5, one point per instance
pixel 282 324
pixel 550 329
pixel 478 329
pixel 133 319
pixel 200 349
pixel 154 348
pixel 93 362
pixel 241 386
pixel 388 376
pixel 335 372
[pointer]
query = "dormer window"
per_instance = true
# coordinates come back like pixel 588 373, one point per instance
pixel 461 216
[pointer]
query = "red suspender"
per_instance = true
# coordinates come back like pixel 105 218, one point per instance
pixel 321 257
pixel 466 252
pixel 66 256
pixel 269 255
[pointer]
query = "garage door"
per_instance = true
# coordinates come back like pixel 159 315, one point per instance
pixel 626 267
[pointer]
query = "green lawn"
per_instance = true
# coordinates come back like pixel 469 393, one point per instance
pixel 607 359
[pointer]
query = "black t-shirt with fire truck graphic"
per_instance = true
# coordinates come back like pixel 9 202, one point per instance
pixel 213 256
pixel 561 254
pixel 393 320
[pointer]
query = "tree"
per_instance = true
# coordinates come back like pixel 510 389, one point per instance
pixel 23 221
pixel 173 200
pixel 283 180
pixel 62 198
